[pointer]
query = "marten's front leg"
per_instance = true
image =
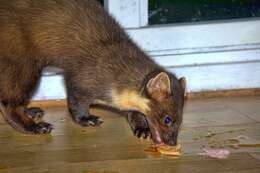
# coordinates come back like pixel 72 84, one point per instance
pixel 138 123
pixel 79 108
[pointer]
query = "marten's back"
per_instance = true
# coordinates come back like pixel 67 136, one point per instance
pixel 55 27
pixel 70 34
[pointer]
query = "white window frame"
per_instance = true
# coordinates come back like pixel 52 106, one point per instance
pixel 130 13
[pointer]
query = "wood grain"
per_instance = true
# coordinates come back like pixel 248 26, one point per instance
pixel 112 148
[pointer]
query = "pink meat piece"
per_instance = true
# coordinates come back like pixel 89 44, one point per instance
pixel 216 153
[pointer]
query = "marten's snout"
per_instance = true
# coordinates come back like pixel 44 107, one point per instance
pixel 163 135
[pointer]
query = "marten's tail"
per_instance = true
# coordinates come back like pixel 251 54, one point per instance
pixel 9 119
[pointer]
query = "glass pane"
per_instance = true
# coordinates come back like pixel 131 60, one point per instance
pixel 178 11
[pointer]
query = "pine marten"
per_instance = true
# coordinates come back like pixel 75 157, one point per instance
pixel 101 65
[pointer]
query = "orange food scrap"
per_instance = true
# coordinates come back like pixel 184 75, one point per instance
pixel 169 150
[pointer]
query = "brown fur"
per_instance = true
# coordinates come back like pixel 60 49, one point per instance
pixel 99 60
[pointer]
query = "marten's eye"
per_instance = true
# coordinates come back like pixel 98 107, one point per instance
pixel 168 120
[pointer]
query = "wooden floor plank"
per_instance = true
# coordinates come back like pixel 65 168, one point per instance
pixel 113 148
pixel 188 164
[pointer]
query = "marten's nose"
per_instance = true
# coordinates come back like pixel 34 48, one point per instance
pixel 173 140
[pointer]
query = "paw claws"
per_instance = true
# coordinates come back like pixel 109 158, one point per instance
pixel 142 133
pixel 90 120
pixel 91 123
pixel 41 128
pixel 100 120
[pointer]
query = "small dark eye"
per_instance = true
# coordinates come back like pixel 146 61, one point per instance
pixel 167 120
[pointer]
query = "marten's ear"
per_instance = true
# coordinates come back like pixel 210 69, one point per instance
pixel 159 87
pixel 183 83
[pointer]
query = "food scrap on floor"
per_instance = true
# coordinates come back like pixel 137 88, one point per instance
pixel 215 153
pixel 169 150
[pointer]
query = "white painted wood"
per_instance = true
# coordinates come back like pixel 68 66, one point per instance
pixel 194 59
pixel 143 13
pixel 51 87
pixel 220 77
pixel 129 13
pixel 224 48
pixel 201 37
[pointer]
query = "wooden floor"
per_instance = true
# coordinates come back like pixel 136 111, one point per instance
pixel 112 148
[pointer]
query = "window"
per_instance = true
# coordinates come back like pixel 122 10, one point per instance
pixel 179 11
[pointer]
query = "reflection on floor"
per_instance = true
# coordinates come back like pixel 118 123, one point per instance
pixel 113 148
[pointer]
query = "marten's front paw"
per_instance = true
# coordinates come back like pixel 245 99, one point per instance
pixel 40 128
pixel 138 124
pixel 35 114
pixel 141 131
pixel 90 120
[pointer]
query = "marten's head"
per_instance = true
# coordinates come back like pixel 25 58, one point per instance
pixel 166 100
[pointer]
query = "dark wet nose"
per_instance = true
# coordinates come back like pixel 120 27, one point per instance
pixel 173 140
